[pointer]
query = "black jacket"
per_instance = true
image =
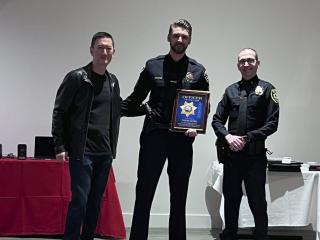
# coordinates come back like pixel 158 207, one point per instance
pixel 262 110
pixel 71 112
pixel 161 77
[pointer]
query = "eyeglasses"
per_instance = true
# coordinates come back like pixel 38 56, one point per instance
pixel 250 61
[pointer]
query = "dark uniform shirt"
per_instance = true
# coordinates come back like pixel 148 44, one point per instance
pixel 262 111
pixel 162 76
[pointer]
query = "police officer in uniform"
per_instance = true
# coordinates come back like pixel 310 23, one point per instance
pixel 161 77
pixel 252 109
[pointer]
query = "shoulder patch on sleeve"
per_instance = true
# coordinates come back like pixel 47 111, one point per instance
pixel 274 95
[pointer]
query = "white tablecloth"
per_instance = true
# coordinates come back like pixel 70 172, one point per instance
pixel 293 198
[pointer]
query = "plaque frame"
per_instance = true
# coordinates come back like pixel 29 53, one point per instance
pixel 193 113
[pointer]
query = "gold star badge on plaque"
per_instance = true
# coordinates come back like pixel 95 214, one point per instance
pixel 188 109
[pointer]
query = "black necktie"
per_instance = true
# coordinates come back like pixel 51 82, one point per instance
pixel 242 118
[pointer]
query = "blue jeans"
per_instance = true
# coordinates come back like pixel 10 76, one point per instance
pixel 88 181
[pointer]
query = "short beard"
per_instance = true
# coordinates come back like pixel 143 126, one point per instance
pixel 178 49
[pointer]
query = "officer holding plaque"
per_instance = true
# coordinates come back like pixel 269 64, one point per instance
pixel 162 77
pixel 251 108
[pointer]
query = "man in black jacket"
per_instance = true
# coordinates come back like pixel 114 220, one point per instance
pixel 251 107
pixel 85 127
pixel 161 77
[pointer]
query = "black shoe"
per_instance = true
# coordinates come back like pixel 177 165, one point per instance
pixel 223 237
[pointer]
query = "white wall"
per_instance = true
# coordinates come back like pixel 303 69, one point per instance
pixel 41 40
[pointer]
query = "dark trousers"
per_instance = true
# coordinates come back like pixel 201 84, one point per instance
pixel 252 171
pixel 88 181
pixel 156 147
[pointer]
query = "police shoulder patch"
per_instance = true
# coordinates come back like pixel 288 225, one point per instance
pixel 274 95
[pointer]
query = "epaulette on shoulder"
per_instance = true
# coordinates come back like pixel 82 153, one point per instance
pixel 234 85
pixel 160 57
pixel 193 61
pixel 263 82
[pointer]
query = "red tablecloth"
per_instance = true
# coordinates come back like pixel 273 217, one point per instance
pixel 34 196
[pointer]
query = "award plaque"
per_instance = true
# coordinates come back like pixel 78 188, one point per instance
pixel 190 110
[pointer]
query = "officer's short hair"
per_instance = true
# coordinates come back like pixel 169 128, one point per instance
pixel 247 48
pixel 181 23
pixel 101 35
